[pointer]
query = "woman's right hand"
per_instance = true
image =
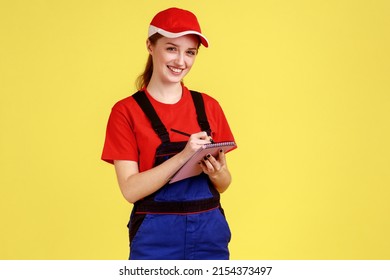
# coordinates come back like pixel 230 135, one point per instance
pixel 196 141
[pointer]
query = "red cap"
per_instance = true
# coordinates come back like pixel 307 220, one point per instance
pixel 175 22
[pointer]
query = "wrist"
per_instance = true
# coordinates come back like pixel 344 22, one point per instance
pixel 220 175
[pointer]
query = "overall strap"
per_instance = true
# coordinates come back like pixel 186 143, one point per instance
pixel 147 107
pixel 149 111
pixel 200 111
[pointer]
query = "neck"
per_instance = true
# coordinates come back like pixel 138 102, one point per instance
pixel 168 94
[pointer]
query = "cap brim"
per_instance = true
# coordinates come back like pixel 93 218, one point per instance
pixel 153 30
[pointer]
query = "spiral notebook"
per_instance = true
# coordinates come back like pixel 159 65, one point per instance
pixel 192 168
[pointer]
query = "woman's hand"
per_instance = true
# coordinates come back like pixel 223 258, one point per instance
pixel 217 170
pixel 195 141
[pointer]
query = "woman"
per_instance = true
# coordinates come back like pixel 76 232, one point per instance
pixel 153 132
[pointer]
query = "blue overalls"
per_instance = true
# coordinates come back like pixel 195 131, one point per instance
pixel 182 220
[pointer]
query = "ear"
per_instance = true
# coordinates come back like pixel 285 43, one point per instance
pixel 149 46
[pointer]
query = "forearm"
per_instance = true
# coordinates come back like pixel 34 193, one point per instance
pixel 136 185
pixel 140 185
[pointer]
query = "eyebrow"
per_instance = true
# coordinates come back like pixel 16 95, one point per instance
pixel 169 43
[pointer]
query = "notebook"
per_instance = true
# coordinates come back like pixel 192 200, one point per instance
pixel 192 168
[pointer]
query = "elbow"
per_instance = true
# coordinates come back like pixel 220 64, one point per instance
pixel 128 194
pixel 130 199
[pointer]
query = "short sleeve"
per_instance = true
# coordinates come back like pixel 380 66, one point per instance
pixel 219 125
pixel 120 142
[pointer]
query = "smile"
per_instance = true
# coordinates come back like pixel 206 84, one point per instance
pixel 175 70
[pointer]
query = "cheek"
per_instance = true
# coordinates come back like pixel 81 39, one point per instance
pixel 161 58
pixel 190 62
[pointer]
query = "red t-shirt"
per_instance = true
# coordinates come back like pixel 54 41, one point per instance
pixel 130 136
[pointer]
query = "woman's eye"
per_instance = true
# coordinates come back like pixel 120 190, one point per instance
pixel 171 49
pixel 192 53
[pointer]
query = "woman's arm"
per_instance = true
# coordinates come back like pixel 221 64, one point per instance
pixel 136 185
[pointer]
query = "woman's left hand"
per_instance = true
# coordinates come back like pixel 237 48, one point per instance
pixel 216 169
pixel 211 165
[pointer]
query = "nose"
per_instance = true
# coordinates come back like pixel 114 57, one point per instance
pixel 180 59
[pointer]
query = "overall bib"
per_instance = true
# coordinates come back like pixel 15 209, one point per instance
pixel 183 220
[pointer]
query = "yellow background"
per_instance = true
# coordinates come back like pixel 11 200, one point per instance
pixel 304 84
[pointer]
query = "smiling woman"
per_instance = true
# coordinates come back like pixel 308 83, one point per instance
pixel 144 79
pixel 172 60
pixel 182 220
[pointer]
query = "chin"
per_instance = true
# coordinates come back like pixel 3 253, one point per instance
pixel 176 79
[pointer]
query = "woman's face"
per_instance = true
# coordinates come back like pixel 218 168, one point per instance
pixel 173 58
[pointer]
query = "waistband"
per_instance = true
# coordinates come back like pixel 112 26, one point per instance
pixel 176 207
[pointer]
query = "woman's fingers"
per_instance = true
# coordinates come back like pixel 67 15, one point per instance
pixel 210 164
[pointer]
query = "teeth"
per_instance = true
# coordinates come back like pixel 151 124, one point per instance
pixel 176 70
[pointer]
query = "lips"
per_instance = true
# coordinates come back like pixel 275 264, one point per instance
pixel 175 70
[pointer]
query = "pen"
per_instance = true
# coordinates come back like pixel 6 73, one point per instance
pixel 180 132
pixel 187 134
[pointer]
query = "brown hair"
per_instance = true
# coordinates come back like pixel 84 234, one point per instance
pixel 144 79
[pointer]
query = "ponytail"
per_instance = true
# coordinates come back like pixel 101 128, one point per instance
pixel 144 79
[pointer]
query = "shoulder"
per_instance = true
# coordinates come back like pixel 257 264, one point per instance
pixel 125 110
pixel 208 100
pixel 124 103
pixel 211 104
pixel 127 106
